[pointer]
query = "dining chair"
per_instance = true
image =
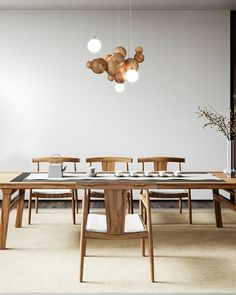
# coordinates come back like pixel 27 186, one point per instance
pixel 109 164
pixel 54 193
pixel 161 164
pixel 115 224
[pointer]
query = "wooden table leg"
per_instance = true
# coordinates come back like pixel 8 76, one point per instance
pixel 217 208
pixel 20 207
pixel 4 217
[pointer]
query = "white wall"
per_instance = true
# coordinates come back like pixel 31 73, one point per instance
pixel 51 103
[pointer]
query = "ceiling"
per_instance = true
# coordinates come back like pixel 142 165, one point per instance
pixel 124 4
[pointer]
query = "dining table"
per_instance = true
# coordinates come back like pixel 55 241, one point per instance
pixel 14 185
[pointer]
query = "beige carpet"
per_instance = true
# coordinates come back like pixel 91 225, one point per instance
pixel 44 257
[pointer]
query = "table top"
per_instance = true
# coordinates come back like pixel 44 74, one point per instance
pixel 7 182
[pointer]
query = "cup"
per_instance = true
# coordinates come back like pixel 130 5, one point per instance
pixel 118 173
pixel 147 173
pixel 92 170
pixel 176 173
pixel 162 173
pixel 133 173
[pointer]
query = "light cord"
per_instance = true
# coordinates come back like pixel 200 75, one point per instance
pixel 118 21
pixel 130 28
pixel 95 22
pixel 113 26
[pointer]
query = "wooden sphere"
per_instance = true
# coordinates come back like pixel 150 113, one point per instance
pixel 120 77
pixel 121 50
pixel 139 57
pixel 131 63
pixel 110 78
pixel 89 64
pixel 122 67
pixel 99 65
pixel 106 57
pixel 111 68
pixel 139 49
pixel 114 63
pixel 117 58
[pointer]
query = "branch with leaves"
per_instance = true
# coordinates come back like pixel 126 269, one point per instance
pixel 221 123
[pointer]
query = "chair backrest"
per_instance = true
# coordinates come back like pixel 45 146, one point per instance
pixel 56 159
pixel 161 163
pixel 115 206
pixel 109 163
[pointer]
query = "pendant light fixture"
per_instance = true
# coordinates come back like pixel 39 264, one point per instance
pixel 94 45
pixel 132 74
pixel 116 65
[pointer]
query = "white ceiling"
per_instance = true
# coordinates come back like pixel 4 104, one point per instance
pixel 124 4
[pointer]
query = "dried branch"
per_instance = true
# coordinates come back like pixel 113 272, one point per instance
pixel 225 125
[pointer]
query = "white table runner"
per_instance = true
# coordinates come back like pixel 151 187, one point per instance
pixel 83 176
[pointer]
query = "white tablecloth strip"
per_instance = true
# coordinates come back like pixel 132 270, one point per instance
pixel 83 176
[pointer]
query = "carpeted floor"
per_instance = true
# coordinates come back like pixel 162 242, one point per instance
pixel 44 257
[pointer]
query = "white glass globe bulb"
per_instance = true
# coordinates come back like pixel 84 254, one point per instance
pixel 132 76
pixel 94 45
pixel 119 87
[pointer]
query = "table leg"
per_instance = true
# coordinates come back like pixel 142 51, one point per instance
pixel 4 217
pixel 20 207
pixel 217 208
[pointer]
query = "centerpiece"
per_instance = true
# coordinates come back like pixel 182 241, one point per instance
pixel 226 126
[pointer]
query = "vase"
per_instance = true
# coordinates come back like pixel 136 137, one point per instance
pixel 230 170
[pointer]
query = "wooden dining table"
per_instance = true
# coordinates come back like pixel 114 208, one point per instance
pixel 14 185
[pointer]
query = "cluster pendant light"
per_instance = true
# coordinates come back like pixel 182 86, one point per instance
pixel 118 66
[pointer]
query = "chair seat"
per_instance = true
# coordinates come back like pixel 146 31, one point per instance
pixel 98 223
pixel 51 191
pixel 168 191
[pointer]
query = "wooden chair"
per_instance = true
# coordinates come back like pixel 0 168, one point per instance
pixel 116 224
pixel 54 193
pixel 108 164
pixel 159 164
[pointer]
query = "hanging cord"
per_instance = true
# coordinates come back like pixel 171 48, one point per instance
pixel 118 21
pixel 130 28
pixel 95 21
pixel 113 26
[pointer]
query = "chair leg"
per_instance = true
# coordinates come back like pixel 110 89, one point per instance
pixel 83 240
pixel 151 256
pixel 150 238
pixel 190 207
pixel 143 212
pixel 29 209
pixel 88 202
pixel 180 205
pixel 143 247
pixel 128 203
pixel 36 205
pixel 76 201
pixel 82 255
pixel 73 206
pixel 141 208
pixel 131 203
